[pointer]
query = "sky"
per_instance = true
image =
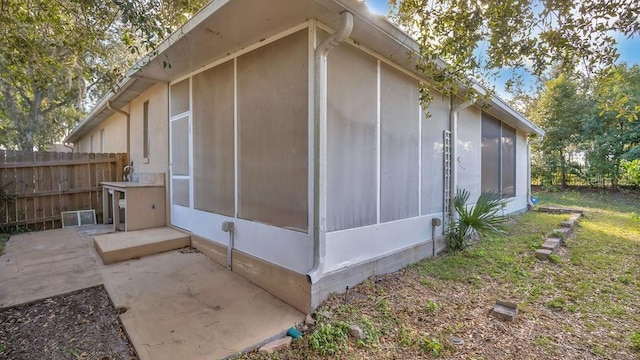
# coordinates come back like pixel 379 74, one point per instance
pixel 629 49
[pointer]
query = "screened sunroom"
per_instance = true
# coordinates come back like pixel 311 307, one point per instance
pixel 302 125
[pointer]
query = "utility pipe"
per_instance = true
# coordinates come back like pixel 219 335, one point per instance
pixel 320 143
pixel 455 113
pixel 530 141
pixel 128 125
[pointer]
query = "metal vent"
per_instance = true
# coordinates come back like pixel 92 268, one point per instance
pixel 78 218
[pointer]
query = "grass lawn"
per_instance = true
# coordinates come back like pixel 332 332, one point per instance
pixel 584 304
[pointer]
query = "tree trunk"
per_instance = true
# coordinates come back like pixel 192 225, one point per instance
pixel 563 170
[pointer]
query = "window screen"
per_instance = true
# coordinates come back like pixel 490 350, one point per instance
pixel 490 154
pixel 180 97
pixel 213 153
pixel 399 121
pixel 508 161
pixel 498 157
pixel 351 139
pixel 180 150
pixel 433 125
pixel 273 133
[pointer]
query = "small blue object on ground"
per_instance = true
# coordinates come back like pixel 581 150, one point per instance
pixel 294 333
pixel 534 201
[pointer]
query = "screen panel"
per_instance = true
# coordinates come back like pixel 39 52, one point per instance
pixel 508 161
pixel 273 133
pixel 179 147
pixel 490 154
pixel 351 139
pixel 399 139
pixel 213 140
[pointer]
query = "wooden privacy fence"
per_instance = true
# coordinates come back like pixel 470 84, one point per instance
pixel 35 187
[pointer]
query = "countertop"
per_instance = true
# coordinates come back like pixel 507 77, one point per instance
pixel 127 184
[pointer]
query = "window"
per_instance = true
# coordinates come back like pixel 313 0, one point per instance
pixel 498 157
pixel 145 126
pixel 102 140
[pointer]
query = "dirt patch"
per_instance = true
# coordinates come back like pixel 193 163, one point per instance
pixel 80 325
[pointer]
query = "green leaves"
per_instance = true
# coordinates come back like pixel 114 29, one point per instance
pixel 477 38
pixel 483 218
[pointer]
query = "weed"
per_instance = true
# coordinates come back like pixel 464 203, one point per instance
pixel 74 353
pixel 407 336
pixel 3 240
pixel 431 345
pixel 556 303
pixel 430 307
pixel 635 340
pixel 370 330
pixel 625 279
pixel 329 339
pixel 554 258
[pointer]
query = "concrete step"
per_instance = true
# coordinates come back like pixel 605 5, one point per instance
pixel 558 210
pixel 552 244
pixel 122 246
pixel 543 254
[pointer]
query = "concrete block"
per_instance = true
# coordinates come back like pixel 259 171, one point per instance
pixel 543 254
pixel 505 310
pixel 551 244
pixel 357 332
pixel 562 233
pixel 566 224
pixel 309 320
pixel 276 345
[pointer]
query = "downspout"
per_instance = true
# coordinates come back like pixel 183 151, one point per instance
pixel 68 146
pixel 455 113
pixel 530 141
pixel 128 125
pixel 320 143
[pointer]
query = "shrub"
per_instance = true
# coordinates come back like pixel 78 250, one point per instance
pixel 483 218
pixel 432 345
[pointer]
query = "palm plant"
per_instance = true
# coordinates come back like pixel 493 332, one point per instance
pixel 483 218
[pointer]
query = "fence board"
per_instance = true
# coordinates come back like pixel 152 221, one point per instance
pixel 35 187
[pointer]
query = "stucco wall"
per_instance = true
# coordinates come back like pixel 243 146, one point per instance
pixel 115 136
pixel 158 159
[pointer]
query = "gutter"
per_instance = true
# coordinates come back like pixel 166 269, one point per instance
pixel 128 125
pixel 530 140
pixel 320 143
pixel 453 124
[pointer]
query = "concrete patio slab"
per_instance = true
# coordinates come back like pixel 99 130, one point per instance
pixel 185 306
pixel 181 304
pixel 48 263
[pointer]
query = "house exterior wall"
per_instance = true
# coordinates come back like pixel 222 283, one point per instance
pixel 115 136
pixel 158 108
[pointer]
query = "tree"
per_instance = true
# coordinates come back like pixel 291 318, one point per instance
pixel 612 135
pixel 561 112
pixel 480 37
pixel 59 56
